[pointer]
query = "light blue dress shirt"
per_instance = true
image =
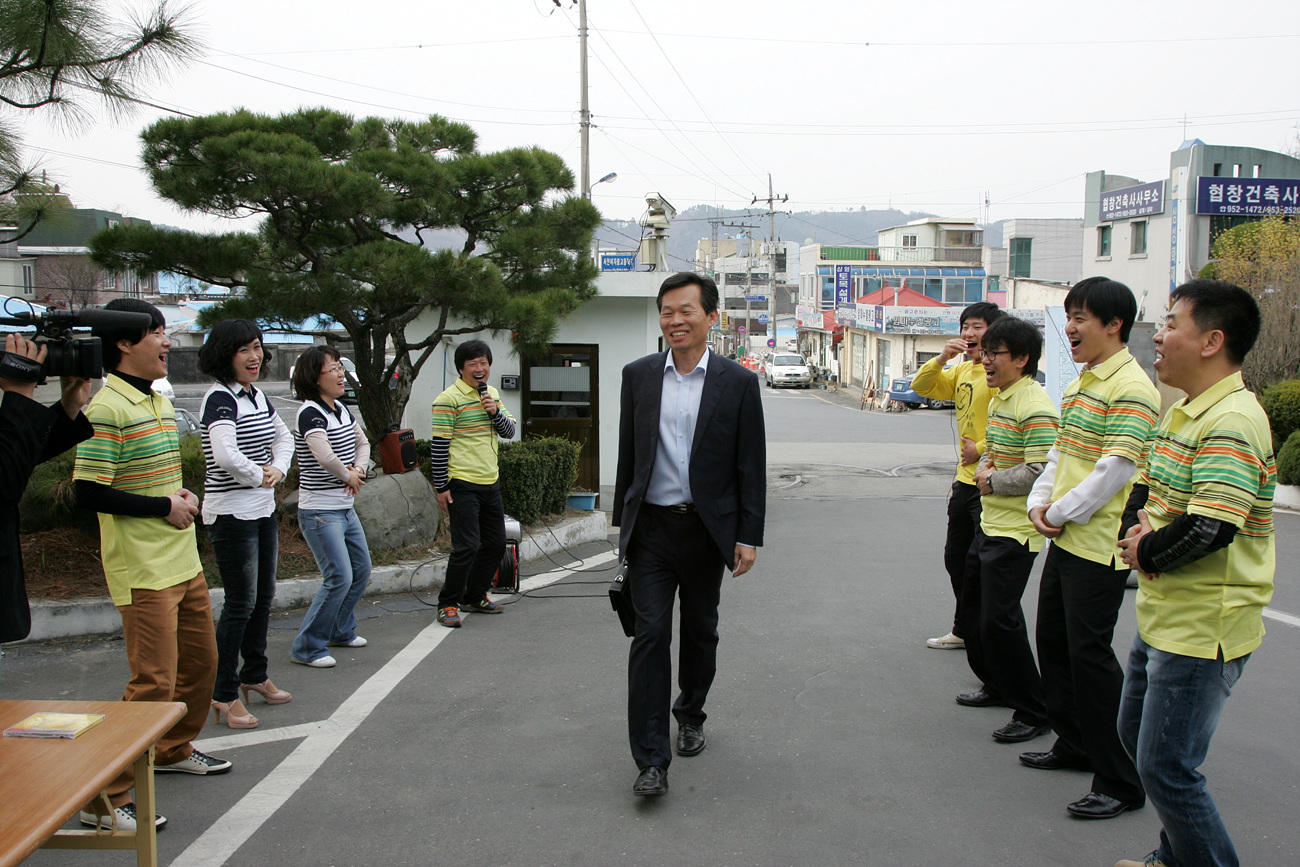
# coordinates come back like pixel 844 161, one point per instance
pixel 679 407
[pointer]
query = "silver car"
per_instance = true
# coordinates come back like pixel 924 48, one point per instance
pixel 785 368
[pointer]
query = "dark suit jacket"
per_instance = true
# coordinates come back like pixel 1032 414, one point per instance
pixel 728 468
pixel 29 434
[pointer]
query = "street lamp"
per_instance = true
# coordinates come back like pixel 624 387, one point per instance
pixel 612 176
pixel 595 242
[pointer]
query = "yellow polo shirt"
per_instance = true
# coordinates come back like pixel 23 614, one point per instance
pixel 458 416
pixel 964 384
pixel 1110 409
pixel 1212 456
pixel 1021 430
pixel 135 449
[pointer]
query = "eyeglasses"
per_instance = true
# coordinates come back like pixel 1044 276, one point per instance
pixel 985 355
pixel 333 368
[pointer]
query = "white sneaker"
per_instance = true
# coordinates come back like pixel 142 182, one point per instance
pixel 357 641
pixel 197 763
pixel 124 816
pixel 325 661
pixel 946 642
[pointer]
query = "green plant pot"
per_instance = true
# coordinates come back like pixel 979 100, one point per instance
pixel 586 502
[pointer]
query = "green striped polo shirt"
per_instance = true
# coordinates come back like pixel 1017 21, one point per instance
pixel 135 449
pixel 1212 456
pixel 458 416
pixel 1021 429
pixel 1109 409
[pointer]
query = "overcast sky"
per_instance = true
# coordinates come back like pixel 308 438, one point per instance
pixel 847 103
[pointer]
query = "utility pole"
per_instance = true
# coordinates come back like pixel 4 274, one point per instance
pixel 771 247
pixel 584 122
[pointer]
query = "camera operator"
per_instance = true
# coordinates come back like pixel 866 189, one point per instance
pixel 29 434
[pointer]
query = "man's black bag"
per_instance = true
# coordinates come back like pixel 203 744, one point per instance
pixel 620 597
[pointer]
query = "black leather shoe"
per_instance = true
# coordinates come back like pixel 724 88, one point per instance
pixel 979 698
pixel 1095 805
pixel 1015 732
pixel 690 739
pixel 1053 761
pixel 651 782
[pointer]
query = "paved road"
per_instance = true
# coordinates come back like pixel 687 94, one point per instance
pixel 834 738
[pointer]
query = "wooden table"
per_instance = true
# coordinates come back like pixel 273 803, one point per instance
pixel 48 780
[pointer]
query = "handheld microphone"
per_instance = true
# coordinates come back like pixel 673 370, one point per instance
pixel 482 389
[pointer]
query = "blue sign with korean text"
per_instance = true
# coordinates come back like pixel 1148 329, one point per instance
pixel 843 284
pixel 1139 201
pixel 1248 196
pixel 618 261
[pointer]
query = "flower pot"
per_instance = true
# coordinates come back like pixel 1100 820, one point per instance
pixel 586 502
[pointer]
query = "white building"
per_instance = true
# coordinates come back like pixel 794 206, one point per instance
pixel 1039 249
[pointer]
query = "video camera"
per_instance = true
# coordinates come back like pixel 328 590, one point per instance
pixel 65 355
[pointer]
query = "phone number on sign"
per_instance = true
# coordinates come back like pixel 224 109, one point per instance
pixel 1256 209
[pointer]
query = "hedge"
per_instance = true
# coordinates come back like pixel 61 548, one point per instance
pixel 1288 461
pixel 537 475
pixel 1282 403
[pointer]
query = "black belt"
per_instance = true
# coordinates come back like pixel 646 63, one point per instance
pixel 679 509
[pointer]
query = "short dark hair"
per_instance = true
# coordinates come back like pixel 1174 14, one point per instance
pixel 1106 299
pixel 109 336
pixel 708 289
pixel 226 338
pixel 470 350
pixel 1018 336
pixel 1218 305
pixel 986 310
pixel 307 370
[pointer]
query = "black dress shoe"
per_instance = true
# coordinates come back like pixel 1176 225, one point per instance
pixel 1016 731
pixel 652 781
pixel 979 698
pixel 1053 761
pixel 690 739
pixel 1095 805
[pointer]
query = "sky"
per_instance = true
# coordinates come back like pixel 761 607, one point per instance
pixel 930 107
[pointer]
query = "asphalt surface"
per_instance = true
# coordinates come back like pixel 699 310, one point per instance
pixel 833 734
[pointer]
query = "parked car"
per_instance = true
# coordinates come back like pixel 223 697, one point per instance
pixel 187 424
pixel 785 368
pixel 901 391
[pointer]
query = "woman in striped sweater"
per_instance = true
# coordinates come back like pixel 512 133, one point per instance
pixel 332 457
pixel 247 449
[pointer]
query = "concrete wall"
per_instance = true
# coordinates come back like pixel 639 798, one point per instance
pixel 1055 252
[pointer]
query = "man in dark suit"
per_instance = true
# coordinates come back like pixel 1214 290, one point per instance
pixel 689 501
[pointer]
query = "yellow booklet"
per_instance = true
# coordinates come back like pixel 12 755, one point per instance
pixel 54 725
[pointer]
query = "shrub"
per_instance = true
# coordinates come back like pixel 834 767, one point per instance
pixel 1282 403
pixel 1288 461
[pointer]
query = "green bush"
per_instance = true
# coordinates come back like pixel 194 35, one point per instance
pixel 1288 461
pixel 1282 403
pixel 537 475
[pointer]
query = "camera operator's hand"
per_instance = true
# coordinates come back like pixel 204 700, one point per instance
pixel 76 394
pixel 183 510
pixel 19 345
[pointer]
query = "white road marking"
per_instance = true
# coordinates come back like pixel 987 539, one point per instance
pixel 1288 619
pixel 320 739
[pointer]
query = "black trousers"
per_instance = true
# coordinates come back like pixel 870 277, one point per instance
pixel 670 555
pixel 963 523
pixel 1078 603
pixel 997 641
pixel 478 541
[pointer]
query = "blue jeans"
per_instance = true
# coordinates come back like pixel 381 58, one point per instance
pixel 339 545
pixel 1167 716
pixel 246 554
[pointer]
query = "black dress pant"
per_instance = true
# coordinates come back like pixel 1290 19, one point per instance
pixel 997 641
pixel 478 541
pixel 1078 603
pixel 670 555
pixel 963 522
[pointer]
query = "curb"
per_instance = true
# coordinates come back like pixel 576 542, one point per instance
pixel 62 620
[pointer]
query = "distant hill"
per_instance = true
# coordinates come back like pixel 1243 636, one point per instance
pixel 825 227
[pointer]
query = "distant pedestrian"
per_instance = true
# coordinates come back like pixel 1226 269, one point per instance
pixel 1199 528
pixel 964 384
pixel 247 450
pixel 333 455
pixel 1108 415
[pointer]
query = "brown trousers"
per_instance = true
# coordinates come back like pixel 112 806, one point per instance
pixel 171 649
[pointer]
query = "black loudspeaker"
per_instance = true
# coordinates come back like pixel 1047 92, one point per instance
pixel 397 451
